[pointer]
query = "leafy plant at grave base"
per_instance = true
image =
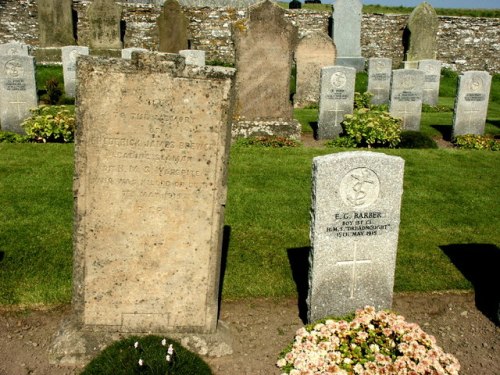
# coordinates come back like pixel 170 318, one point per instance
pixel 10 137
pixel 414 139
pixel 268 141
pixel 362 100
pixel 50 124
pixel 54 91
pixel 435 108
pixel 146 355
pixel 371 342
pixel 476 142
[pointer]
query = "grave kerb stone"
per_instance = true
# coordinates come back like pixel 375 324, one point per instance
pixel 127 52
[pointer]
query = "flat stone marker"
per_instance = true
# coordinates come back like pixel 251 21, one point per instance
pixel 127 52
pixel 471 105
pixel 173 28
pixel 104 18
pixel 379 79
pixel 193 57
pixel 356 202
pixel 432 77
pixel 14 49
pixel 346 32
pixel 17 91
pixel 336 101
pixel 69 56
pixel 55 23
pixel 421 31
pixel 314 51
pixel 406 97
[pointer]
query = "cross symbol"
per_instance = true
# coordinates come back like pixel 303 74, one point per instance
pixel 18 103
pixel 376 92
pixel 403 114
pixel 353 262
pixel 470 112
pixel 336 110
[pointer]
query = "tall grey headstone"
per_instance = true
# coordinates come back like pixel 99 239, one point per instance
pixel 356 202
pixel 406 97
pixel 14 49
pixel 193 57
pixel 172 28
pixel 432 77
pixel 346 32
pixel 105 29
pixel 127 52
pixel 69 56
pixel 55 23
pixel 17 91
pixel 379 79
pixel 471 104
pixel 336 100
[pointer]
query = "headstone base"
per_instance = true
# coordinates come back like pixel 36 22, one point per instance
pixel 75 346
pixel 354 62
pixel 246 129
pixel 48 55
pixel 411 64
pixel 105 52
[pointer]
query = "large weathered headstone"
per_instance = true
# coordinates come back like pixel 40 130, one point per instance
pixel 356 201
pixel 471 105
pixel 346 32
pixel 150 190
pixel 432 77
pixel 336 101
pixel 55 23
pixel 379 79
pixel 421 35
pixel 264 44
pixel 104 18
pixel 193 57
pixel 314 51
pixel 406 97
pixel 14 49
pixel 172 28
pixel 17 91
pixel 69 56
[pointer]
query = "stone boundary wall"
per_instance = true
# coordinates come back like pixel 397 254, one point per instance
pixel 464 43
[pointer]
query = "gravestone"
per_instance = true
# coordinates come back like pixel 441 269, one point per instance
pixel 55 23
pixel 173 28
pixel 314 51
pixel 336 101
pixel 432 71
pixel 69 56
pixel 471 104
pixel 379 79
pixel 193 57
pixel 406 97
pixel 356 202
pixel 104 18
pixel 346 32
pixel 264 44
pixel 17 91
pixel 127 52
pixel 14 49
pixel 421 35
pixel 295 4
pixel 150 190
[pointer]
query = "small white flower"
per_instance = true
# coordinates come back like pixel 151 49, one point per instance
pixel 168 358
pixel 141 362
pixel 164 342
pixel 170 349
pixel 136 344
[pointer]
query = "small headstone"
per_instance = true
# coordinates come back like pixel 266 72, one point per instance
pixel 173 28
pixel 127 52
pixel 17 91
pixel 104 18
pixel 69 56
pixel 193 57
pixel 432 71
pixel 421 35
pixel 346 32
pixel 406 97
pixel 337 99
pixel 471 105
pixel 356 202
pixel 14 49
pixel 55 23
pixel 379 79
pixel 314 51
pixel 264 45
pixel 295 4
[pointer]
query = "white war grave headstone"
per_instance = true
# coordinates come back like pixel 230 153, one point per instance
pixel 432 77
pixel 379 79
pixel 406 97
pixel 14 49
pixel 193 56
pixel 69 56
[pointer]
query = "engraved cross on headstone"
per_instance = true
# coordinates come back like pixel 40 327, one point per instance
pixel 18 103
pixel 470 113
pixel 336 110
pixel 405 113
pixel 353 262
pixel 376 91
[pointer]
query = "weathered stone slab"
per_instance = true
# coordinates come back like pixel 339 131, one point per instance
pixel 356 202
pixel 193 57
pixel 421 35
pixel 379 79
pixel 432 77
pixel 471 104
pixel 337 99
pixel 127 52
pixel 17 91
pixel 346 32
pixel 314 51
pixel 104 18
pixel 406 97
pixel 55 23
pixel 173 28
pixel 264 45
pixel 14 49
pixel 69 57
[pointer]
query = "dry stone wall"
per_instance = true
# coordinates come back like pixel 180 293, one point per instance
pixel 464 43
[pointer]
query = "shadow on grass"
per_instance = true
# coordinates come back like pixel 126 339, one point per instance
pixel 226 236
pixel 314 127
pixel 445 131
pixel 494 122
pixel 479 263
pixel 299 263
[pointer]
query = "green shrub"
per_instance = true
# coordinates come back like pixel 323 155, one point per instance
pixel 268 141
pixel 476 142
pixel 344 142
pixel 413 139
pixel 146 355
pixel 50 124
pixel 10 137
pixel 54 91
pixel 362 100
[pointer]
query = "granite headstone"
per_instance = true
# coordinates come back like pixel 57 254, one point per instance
pixel 14 49
pixel 432 77
pixel 406 97
pixel 379 79
pixel 69 57
pixel 104 18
